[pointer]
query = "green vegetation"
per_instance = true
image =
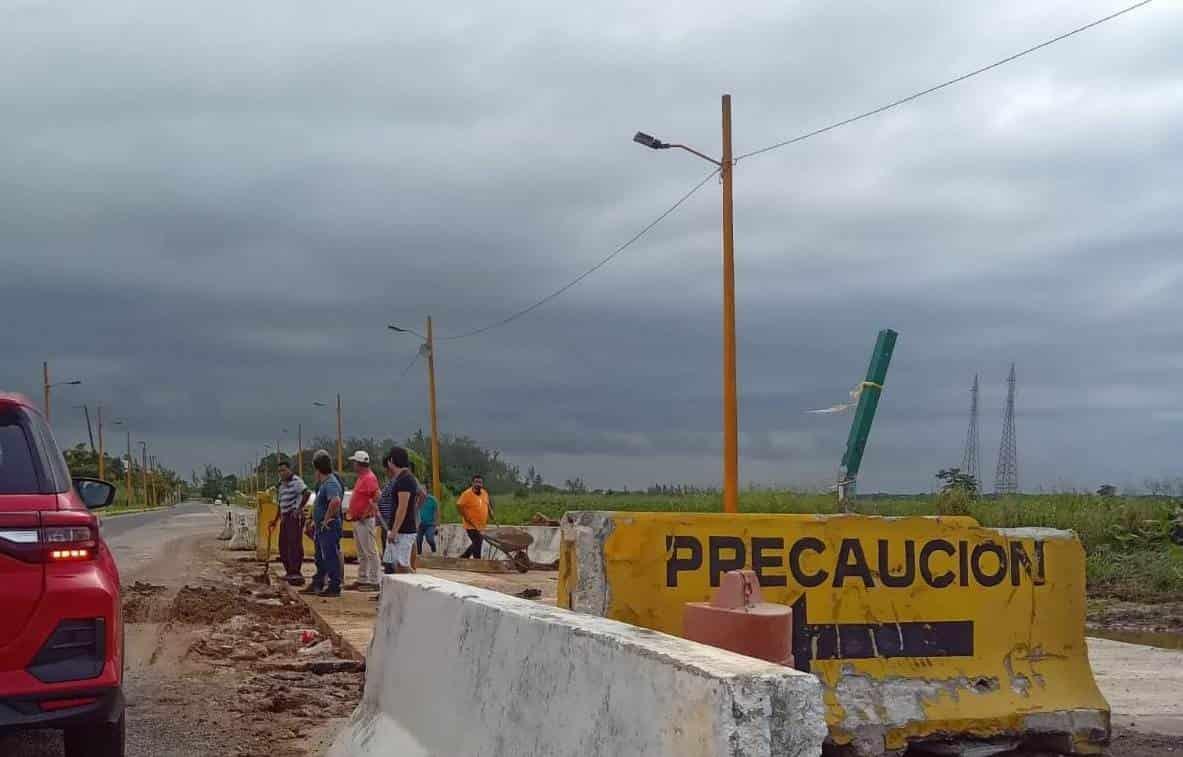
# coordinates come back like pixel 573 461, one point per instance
pixel 463 458
pixel 83 461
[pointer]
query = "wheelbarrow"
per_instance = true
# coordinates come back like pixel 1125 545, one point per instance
pixel 513 542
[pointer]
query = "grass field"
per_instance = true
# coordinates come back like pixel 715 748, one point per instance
pixel 121 503
pixel 1126 538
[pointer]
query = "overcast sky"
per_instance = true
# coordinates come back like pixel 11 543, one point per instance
pixel 209 212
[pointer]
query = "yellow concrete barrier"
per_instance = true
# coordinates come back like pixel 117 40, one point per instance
pixel 918 628
pixel 265 509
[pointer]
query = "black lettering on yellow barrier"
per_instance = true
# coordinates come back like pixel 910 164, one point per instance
pixel 938 563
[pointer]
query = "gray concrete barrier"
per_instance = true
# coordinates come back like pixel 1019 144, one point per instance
pixel 453 541
pixel 244 533
pixel 456 670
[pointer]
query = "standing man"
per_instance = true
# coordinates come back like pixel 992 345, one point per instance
pixel 293 496
pixel 386 513
pixel 327 526
pixel 405 491
pixel 363 511
pixel 473 505
pixel 428 515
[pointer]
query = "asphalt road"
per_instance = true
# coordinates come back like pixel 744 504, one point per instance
pixel 141 543
pixel 116 527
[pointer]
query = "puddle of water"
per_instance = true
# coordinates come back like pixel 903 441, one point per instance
pixel 1160 639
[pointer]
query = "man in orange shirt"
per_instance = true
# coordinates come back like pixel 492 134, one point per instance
pixel 473 505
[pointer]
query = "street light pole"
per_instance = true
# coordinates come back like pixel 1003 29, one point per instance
pixel 340 448
pixel 428 348
pixel 153 499
pixel 144 473
pixel 129 460
pixel 300 450
pixel 47 386
pixel 264 476
pixel 730 397
pixel 435 426
pixel 127 464
pixel 102 466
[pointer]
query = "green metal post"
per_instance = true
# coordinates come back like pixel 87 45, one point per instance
pixel 864 415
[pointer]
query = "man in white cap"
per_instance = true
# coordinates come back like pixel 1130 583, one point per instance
pixel 363 511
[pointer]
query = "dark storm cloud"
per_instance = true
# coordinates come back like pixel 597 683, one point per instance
pixel 211 213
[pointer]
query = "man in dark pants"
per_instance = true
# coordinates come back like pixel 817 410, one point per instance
pixel 473 505
pixel 326 520
pixel 293 496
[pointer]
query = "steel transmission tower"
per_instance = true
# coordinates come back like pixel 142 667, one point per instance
pixel 1006 475
pixel 971 460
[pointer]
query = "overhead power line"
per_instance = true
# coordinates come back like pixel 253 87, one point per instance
pixel 406 370
pixel 632 240
pixel 785 143
pixel 942 85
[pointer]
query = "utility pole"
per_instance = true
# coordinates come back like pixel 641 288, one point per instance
pixel 45 375
pixel 1006 474
pixel 128 472
pixel 971 458
pixel 152 478
pixel 427 349
pixel 340 447
pixel 102 465
pixel 730 399
pixel 726 167
pixel 435 426
pixel 144 473
pixel 300 450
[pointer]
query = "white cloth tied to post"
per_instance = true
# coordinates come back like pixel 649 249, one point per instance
pixel 854 398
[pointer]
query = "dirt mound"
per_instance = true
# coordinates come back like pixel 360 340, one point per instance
pixel 210 605
pixel 142 603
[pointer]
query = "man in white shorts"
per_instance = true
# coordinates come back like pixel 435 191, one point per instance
pixel 403 526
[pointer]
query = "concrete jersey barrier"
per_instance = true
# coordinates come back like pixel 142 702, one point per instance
pixel 453 541
pixel 920 629
pixel 456 670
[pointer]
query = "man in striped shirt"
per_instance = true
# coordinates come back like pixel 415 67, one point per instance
pixel 293 496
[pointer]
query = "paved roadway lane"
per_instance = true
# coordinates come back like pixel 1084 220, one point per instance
pixel 140 543
pixel 117 526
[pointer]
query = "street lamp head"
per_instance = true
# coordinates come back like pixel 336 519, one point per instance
pixel 647 140
pixel 392 327
pixel 319 404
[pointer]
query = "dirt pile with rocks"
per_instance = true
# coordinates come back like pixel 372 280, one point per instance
pixel 244 648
